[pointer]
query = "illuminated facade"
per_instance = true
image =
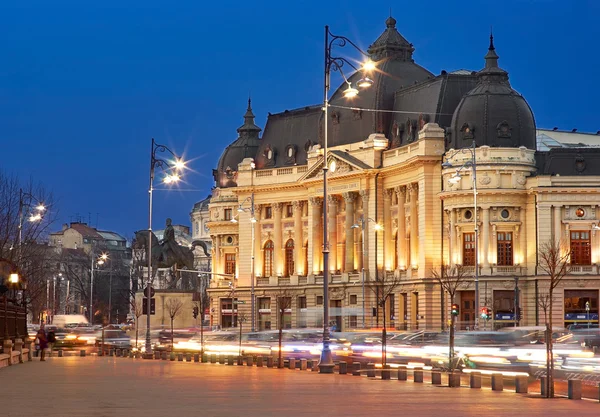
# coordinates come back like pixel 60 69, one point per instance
pixel 385 164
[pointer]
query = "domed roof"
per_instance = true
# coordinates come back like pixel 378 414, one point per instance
pixel 395 69
pixel 245 146
pixel 492 113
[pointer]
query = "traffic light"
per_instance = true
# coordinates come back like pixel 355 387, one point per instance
pixel 195 312
pixel 455 309
pixel 485 313
pixel 145 306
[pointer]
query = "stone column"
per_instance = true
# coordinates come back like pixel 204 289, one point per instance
pixel 277 261
pixel 258 255
pixel 521 230
pixel 557 223
pixel 485 237
pixel 316 239
pixel 452 247
pixel 298 238
pixel 388 247
pixel 364 258
pixel 216 266
pixel 349 263
pixel 414 231
pixel 333 240
pixel 401 194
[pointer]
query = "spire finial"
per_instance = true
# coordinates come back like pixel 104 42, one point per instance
pixel 491 38
pixel 491 58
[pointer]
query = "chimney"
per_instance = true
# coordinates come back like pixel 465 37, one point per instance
pixel 65 226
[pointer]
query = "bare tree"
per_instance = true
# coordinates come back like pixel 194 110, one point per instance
pixel 283 299
pixel 136 307
pixel 554 261
pixel 383 289
pixel 174 307
pixel 242 318
pixel 450 278
pixel 544 301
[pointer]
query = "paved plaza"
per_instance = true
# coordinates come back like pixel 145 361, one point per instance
pixel 109 386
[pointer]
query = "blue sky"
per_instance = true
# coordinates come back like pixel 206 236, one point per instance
pixel 84 86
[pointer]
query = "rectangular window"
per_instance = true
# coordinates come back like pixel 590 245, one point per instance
pixel 289 210
pixel 319 300
pixel 301 302
pixel 353 299
pixel 352 322
pixel 268 212
pixel 230 263
pixel 580 248
pixel 505 248
pixel 227 214
pixel 469 249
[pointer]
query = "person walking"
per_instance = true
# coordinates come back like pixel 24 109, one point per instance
pixel 41 336
pixel 51 341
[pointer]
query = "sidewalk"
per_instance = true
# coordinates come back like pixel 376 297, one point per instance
pixel 110 386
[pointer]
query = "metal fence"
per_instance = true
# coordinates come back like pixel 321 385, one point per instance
pixel 13 322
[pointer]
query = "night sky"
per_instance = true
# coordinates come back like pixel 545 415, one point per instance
pixel 84 85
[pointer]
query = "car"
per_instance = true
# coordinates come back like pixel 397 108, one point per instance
pixel 65 338
pixel 116 339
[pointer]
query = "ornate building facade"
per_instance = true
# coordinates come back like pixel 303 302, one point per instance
pixel 386 150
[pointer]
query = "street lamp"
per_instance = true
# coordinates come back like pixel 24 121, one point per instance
pixel 363 224
pixel 100 261
pixel 242 209
pixel 454 179
pixel 172 170
pixel 334 63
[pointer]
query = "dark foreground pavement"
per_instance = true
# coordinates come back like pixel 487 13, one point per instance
pixel 98 387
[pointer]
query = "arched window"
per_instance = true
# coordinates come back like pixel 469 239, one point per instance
pixel 268 259
pixel 289 258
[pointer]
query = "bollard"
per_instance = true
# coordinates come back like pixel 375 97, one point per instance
pixel 180 357
pixel 259 361
pixel 371 370
pixel 163 356
pixel 82 353
pixel 386 372
pixel 598 392
pixel 213 358
pixel 111 352
pixel 172 356
pixel 118 353
pixel 156 354
pixel 60 353
pixel 497 382
pixel 315 366
pixel 436 378
pixel 222 359
pixel 249 361
pixel 188 357
pixel 240 360
pixel 293 364
pixel 474 380
pixel 204 358
pixel 343 368
pixel 269 361
pixel 521 384
pixel 544 386
pixel 280 363
pixel 402 374
pixel 418 375
pixel 574 389
pixel 356 369
pixel 230 360
pixel 303 364
pixel 196 357
pixel 131 354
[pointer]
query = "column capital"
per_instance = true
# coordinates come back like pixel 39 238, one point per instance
pixel 413 187
pixel 400 190
pixel 315 201
pixel 349 197
pixel 387 193
pixel 277 206
pixel 332 199
pixel 297 205
pixel 364 195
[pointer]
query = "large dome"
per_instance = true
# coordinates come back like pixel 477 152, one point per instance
pixel 245 146
pixel 492 113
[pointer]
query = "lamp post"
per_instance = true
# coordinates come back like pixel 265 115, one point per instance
pixel 326 364
pixel 175 167
pixel 100 261
pixel 363 224
pixel 472 163
pixel 242 209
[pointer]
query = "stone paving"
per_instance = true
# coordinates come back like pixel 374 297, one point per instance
pixel 110 386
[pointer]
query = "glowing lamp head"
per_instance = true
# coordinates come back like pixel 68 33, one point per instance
pixel 455 179
pixel 35 217
pixel 365 82
pixel 368 65
pixel 253 220
pixel 350 92
pixel 378 227
pixel 179 164
pixel 40 207
pixel 234 220
pixel 13 278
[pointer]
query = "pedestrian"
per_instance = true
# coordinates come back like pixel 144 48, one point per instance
pixel 41 336
pixel 51 341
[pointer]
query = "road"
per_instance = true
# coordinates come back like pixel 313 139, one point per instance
pixel 110 386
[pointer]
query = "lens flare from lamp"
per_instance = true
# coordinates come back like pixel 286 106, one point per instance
pixel 179 164
pixel 368 65
pixel 35 217
pixel 13 278
pixel 40 207
pixel 378 227
pixel 234 220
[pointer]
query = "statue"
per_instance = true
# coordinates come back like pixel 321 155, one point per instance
pixel 168 253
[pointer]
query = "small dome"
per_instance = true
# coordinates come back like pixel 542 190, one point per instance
pixel 492 113
pixel 245 146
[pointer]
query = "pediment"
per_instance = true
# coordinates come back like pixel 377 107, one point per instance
pixel 343 163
